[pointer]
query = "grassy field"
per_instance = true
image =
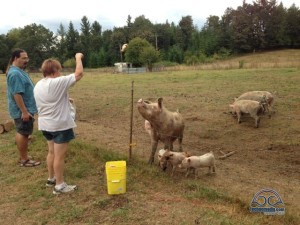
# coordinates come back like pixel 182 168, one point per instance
pixel 267 157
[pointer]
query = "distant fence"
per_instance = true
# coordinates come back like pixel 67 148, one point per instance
pixel 131 70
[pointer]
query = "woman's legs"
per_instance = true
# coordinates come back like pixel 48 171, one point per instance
pixel 50 159
pixel 60 151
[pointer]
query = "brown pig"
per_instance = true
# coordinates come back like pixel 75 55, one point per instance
pixel 166 126
pixel 254 108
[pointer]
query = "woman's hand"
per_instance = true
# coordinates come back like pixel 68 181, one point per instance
pixel 79 56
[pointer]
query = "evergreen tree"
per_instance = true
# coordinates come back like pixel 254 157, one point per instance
pixel 85 38
pixel 61 51
pixel 293 26
pixel 187 28
pixel 72 41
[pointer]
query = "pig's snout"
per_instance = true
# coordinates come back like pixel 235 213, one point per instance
pixel 140 100
pixel 164 168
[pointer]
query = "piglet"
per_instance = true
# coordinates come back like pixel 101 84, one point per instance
pixel 172 158
pixel 196 162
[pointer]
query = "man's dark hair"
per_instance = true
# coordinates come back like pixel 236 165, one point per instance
pixel 15 53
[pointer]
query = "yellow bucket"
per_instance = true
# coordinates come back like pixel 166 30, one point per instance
pixel 116 177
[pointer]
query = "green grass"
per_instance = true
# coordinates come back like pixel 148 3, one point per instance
pixel 199 191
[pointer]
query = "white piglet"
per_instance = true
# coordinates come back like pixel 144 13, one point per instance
pixel 160 154
pixel 196 162
pixel 172 158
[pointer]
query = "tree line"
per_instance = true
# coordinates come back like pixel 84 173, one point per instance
pixel 261 25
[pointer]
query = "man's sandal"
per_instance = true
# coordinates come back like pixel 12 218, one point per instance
pixel 19 161
pixel 29 163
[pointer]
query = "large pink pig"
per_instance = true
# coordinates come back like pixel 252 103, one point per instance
pixel 166 126
pixel 265 97
pixel 254 108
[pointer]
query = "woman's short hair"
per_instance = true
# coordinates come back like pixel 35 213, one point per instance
pixel 50 66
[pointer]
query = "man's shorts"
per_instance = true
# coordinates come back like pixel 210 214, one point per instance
pixel 59 137
pixel 24 128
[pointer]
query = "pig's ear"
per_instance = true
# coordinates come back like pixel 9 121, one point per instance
pixel 160 102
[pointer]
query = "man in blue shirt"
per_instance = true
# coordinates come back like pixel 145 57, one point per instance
pixel 21 103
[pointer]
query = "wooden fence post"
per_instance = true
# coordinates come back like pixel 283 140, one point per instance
pixel 131 121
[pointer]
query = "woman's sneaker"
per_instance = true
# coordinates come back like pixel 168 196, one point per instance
pixel 65 189
pixel 50 183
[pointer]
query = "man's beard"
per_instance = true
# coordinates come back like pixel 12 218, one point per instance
pixel 24 66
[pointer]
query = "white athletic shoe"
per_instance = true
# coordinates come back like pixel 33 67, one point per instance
pixel 65 189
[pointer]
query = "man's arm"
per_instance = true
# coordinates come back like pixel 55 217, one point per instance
pixel 20 103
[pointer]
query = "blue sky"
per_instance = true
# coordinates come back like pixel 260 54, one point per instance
pixel 111 13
